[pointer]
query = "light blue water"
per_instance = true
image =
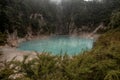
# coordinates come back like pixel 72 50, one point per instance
pixel 58 44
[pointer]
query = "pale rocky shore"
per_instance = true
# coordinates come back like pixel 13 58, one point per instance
pixel 9 53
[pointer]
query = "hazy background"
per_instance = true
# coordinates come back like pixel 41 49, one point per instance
pixel 57 1
pixel 45 17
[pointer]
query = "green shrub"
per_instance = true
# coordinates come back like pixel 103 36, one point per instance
pixel 115 20
pixel 101 63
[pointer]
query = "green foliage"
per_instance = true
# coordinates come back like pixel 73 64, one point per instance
pixel 90 13
pixel 21 15
pixel 6 70
pixel 115 20
pixel 101 63
pixel 113 75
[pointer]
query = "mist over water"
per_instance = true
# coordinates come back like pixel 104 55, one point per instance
pixel 56 1
pixel 58 44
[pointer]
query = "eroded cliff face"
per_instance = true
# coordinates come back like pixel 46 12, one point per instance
pixel 68 28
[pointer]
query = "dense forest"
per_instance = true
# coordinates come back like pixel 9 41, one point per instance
pixel 44 17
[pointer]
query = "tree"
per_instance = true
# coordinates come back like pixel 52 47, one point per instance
pixel 115 20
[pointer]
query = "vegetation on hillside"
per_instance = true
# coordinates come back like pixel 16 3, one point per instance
pixel 115 20
pixel 101 63
pixel 46 17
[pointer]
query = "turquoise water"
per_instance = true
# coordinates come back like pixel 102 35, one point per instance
pixel 58 44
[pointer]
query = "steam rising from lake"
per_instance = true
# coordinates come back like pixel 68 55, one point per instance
pixel 56 44
pixel 56 1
